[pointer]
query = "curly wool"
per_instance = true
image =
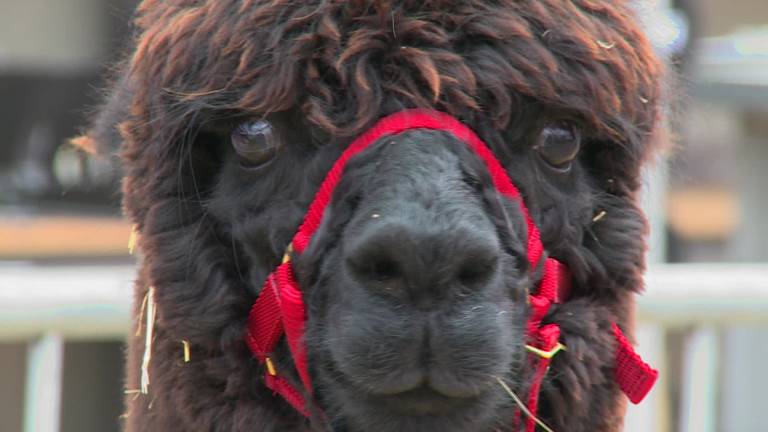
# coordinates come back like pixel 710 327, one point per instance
pixel 347 63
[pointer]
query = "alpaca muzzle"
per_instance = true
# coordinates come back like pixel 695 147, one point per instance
pixel 279 311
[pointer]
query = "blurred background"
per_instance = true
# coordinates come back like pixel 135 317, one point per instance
pixel 65 270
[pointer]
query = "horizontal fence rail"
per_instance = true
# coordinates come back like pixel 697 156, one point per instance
pixel 93 302
pixel 47 306
pixel 75 302
pixel 691 294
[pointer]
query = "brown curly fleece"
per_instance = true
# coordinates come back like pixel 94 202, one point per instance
pixel 329 69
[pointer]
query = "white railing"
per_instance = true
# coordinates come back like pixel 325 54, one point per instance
pixel 48 305
pixel 699 300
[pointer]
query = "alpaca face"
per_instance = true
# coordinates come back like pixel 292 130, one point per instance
pixel 416 293
pixel 416 280
pixel 228 115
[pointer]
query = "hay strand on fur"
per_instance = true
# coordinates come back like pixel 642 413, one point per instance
pixel 522 406
pixel 606 45
pixel 135 392
pixel 187 351
pixel 141 315
pixel 148 334
pixel 192 94
pixel 133 240
pixel 598 217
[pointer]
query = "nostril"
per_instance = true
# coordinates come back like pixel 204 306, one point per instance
pixel 418 264
pixel 374 266
pixel 470 275
pixel 381 270
pixel 476 271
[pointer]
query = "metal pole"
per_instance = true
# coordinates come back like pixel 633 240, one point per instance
pixel 42 401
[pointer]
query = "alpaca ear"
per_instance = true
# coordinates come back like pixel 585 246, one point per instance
pixel 102 137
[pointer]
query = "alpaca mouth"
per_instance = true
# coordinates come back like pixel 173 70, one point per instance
pixel 424 401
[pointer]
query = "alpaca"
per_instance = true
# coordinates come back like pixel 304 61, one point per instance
pixel 418 280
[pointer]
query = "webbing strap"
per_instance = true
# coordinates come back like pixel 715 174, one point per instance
pixel 264 330
pixel 294 320
pixel 634 376
pixel 265 326
pixel 281 386
pixel 400 122
pixel 542 339
pixel 547 339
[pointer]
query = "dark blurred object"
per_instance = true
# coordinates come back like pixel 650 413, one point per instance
pixel 38 114
pixel 43 105
pixel 686 15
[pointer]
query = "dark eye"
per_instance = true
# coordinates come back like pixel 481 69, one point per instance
pixel 256 142
pixel 558 146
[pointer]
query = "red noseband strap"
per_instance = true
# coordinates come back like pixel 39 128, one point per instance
pixel 279 310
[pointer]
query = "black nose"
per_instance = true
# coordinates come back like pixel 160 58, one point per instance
pixel 423 262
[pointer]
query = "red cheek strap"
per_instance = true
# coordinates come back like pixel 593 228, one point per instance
pixel 634 376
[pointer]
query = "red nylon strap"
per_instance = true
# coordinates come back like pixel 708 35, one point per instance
pixel 551 290
pixel 564 283
pixel 401 122
pixel 265 326
pixel 632 374
pixel 294 320
pixel 282 387
pixel 547 338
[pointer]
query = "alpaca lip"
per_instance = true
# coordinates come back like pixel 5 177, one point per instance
pixel 423 401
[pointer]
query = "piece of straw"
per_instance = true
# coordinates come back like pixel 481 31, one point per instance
pixel 133 240
pixel 606 45
pixel 522 406
pixel 135 392
pixel 148 334
pixel 187 354
pixel 600 216
pixel 141 314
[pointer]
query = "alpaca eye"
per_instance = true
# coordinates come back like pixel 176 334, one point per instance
pixel 558 146
pixel 256 142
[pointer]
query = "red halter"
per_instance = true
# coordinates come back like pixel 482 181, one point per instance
pixel 280 309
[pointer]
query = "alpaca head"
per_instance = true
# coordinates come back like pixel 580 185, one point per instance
pixel 229 114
